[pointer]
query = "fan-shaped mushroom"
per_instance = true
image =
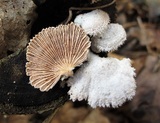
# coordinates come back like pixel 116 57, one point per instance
pixel 113 37
pixel 53 53
pixel 94 22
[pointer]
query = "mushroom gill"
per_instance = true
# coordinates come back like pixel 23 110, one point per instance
pixel 53 53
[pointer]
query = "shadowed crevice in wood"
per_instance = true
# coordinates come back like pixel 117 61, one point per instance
pixel 17 96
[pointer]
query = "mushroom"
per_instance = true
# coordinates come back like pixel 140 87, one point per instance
pixel 113 37
pixel 53 53
pixel 94 22
pixel 104 82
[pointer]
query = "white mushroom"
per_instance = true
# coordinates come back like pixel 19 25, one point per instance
pixel 53 53
pixel 94 22
pixel 104 82
pixel 113 37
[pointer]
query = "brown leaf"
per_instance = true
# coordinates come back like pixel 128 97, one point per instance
pixel 96 117
pixel 69 114
pixel 146 106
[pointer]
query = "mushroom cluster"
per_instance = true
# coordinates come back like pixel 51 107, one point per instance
pixel 97 80
pixel 53 54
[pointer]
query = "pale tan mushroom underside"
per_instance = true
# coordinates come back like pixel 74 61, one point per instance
pixel 55 52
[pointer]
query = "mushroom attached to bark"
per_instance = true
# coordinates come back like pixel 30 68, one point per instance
pixel 53 53
pixel 94 22
pixel 113 37
pixel 104 82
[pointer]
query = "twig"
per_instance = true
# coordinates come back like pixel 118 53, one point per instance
pixel 71 9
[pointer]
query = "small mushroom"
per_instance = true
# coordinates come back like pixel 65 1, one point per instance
pixel 104 82
pixel 113 37
pixel 53 53
pixel 94 22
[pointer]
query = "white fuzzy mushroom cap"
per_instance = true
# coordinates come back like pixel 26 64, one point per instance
pixel 113 37
pixel 94 22
pixel 104 82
